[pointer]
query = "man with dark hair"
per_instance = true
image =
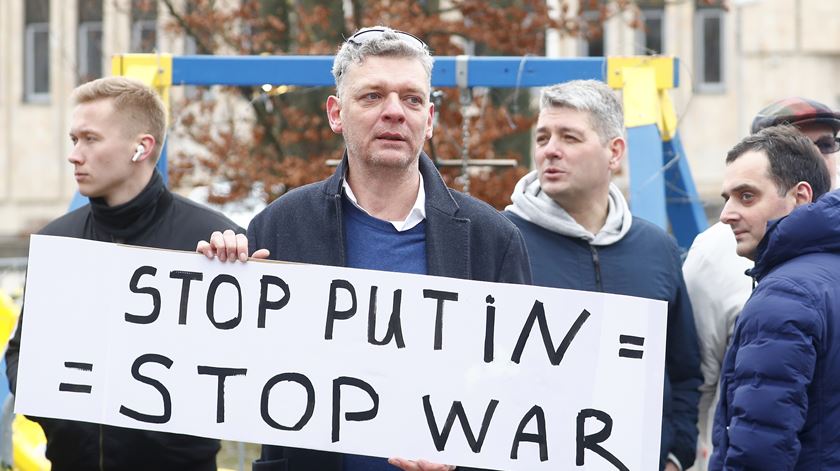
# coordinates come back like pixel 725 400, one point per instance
pixel 714 273
pixel 581 235
pixel 779 388
pixel 385 208
pixel 117 131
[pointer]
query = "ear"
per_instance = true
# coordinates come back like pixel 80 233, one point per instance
pixel 617 148
pixel 430 122
pixel 803 193
pixel 334 113
pixel 148 143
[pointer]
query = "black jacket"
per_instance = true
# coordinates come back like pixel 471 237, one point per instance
pixel 465 238
pixel 155 218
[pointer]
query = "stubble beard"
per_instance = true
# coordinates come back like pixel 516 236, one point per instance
pixel 383 159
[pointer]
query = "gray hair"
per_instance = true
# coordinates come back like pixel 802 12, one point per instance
pixel 387 44
pixel 596 97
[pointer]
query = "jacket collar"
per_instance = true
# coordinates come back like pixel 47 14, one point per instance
pixel 437 194
pixel 447 236
pixel 530 203
pixel 809 228
pixel 124 222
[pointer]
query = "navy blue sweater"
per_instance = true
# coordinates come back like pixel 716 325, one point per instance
pixel 375 244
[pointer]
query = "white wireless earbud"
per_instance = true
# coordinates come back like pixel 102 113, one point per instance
pixel 138 153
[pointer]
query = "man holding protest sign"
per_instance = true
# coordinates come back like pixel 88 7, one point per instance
pixel 580 235
pixel 385 208
pixel 779 388
pixel 117 130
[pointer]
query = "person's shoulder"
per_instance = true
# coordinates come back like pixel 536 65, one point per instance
pixel 472 207
pixel 781 305
pixel 307 200
pixel 815 272
pixel 714 241
pixel 297 197
pixel 70 224
pixel 647 241
pixel 649 228
pixel 717 233
pixel 193 210
pixel 517 220
pixel 715 249
pixel 652 234
pixel 480 212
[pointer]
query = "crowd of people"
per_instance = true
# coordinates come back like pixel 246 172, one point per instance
pixel 758 349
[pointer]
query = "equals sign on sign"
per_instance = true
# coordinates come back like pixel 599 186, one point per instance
pixel 77 388
pixel 631 352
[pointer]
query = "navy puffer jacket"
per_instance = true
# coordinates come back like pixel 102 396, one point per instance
pixel 780 388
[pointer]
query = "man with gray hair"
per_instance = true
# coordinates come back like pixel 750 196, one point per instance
pixel 385 208
pixel 580 235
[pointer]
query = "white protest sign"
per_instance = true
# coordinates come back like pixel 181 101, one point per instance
pixel 386 364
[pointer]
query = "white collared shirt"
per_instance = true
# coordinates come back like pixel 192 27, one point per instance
pixel 415 216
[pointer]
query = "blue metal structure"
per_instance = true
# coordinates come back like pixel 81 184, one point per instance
pixel 661 187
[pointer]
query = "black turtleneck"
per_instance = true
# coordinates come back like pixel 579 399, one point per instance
pixel 125 222
pixel 154 218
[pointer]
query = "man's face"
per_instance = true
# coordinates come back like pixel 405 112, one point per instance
pixel 572 162
pixel 102 152
pixel 752 199
pixel 825 133
pixel 384 112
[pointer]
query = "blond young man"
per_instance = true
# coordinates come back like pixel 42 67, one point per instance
pixel 117 131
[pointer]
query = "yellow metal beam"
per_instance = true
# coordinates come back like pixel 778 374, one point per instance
pixel 663 67
pixel 645 82
pixel 155 70
pixel 668 122
pixel 641 100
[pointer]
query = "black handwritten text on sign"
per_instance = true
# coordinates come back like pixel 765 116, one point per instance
pixel 479 374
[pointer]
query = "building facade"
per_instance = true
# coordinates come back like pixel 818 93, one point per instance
pixel 47 48
pixel 733 63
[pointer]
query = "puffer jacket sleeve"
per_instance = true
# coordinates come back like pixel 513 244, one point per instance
pixel 767 401
pixel 682 364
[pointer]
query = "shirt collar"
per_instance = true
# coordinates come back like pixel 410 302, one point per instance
pixel 415 216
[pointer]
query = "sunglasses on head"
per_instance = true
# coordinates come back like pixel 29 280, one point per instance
pixel 369 34
pixel 828 145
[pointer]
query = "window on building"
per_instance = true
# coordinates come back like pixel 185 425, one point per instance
pixel 591 42
pixel 708 49
pixel 592 37
pixel 90 40
pixel 650 38
pixel 36 51
pixel 143 25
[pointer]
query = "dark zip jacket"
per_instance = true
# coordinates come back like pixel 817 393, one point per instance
pixel 155 218
pixel 645 263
